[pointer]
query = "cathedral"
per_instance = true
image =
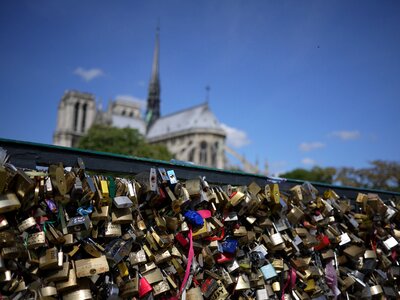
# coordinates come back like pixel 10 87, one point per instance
pixel 193 134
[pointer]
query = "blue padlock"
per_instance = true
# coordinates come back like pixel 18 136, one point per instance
pixel 194 218
pixel 268 271
pixel 229 245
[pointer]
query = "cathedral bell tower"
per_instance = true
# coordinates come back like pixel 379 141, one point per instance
pixel 153 98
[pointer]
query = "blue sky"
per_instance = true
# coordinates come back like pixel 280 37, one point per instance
pixel 297 83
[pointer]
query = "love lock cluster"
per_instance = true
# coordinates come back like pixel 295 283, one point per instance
pixel 66 233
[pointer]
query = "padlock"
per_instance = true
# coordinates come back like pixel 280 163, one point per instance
pixel 100 213
pixel 295 215
pixel 137 258
pixel 91 266
pixel 49 260
pixel 59 275
pixel 242 283
pixel 36 240
pixel 130 288
pixel 268 271
pixel 111 289
pixel 162 256
pixel 83 293
pixel 160 288
pixel 208 287
pixel 24 186
pixel 112 230
pixel 9 202
pixel 26 224
pixel 47 292
pixel 121 216
pixel 122 202
pixel 194 294
pixel 144 287
pixel 117 250
pixel 68 284
pixel 92 248
pixel 153 276
pixel 79 223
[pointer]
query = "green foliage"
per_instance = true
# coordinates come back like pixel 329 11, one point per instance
pixel 317 174
pixel 383 175
pixel 126 141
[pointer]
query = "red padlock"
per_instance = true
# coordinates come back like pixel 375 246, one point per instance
pixel 182 240
pixel 144 287
pixel 323 242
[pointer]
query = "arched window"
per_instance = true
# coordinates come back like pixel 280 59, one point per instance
pixel 76 111
pixel 84 108
pixel 214 152
pixel 203 153
pixel 191 155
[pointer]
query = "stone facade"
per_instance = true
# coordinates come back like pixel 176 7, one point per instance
pixel 193 135
pixel 76 113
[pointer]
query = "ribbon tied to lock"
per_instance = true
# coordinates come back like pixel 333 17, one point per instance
pixel 196 218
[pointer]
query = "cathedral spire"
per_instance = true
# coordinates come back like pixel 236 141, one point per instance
pixel 153 99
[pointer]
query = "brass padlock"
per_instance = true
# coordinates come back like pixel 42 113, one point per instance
pixel 297 193
pixel 9 202
pixel 59 275
pixel 153 276
pixel 91 266
pixel 137 258
pixel 58 178
pixel 100 213
pixel 24 186
pixel 83 293
pixel 26 224
pixel 3 179
pixel 148 252
pixel 162 256
pixel 295 215
pixel 49 260
pixel 92 248
pixel 47 292
pixel 122 216
pixel 13 252
pixel 36 240
pixel 194 294
pixel 112 230
pixel 160 288
pixel 68 284
pixel 130 288
pixel 193 187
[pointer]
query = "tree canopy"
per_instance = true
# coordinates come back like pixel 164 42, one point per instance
pixel 380 175
pixel 317 174
pixel 126 141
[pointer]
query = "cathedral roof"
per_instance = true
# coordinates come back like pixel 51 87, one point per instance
pixel 199 117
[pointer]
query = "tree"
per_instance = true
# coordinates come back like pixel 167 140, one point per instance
pixel 126 141
pixel 317 174
pixel 381 175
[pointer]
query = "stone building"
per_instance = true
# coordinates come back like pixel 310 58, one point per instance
pixel 193 134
